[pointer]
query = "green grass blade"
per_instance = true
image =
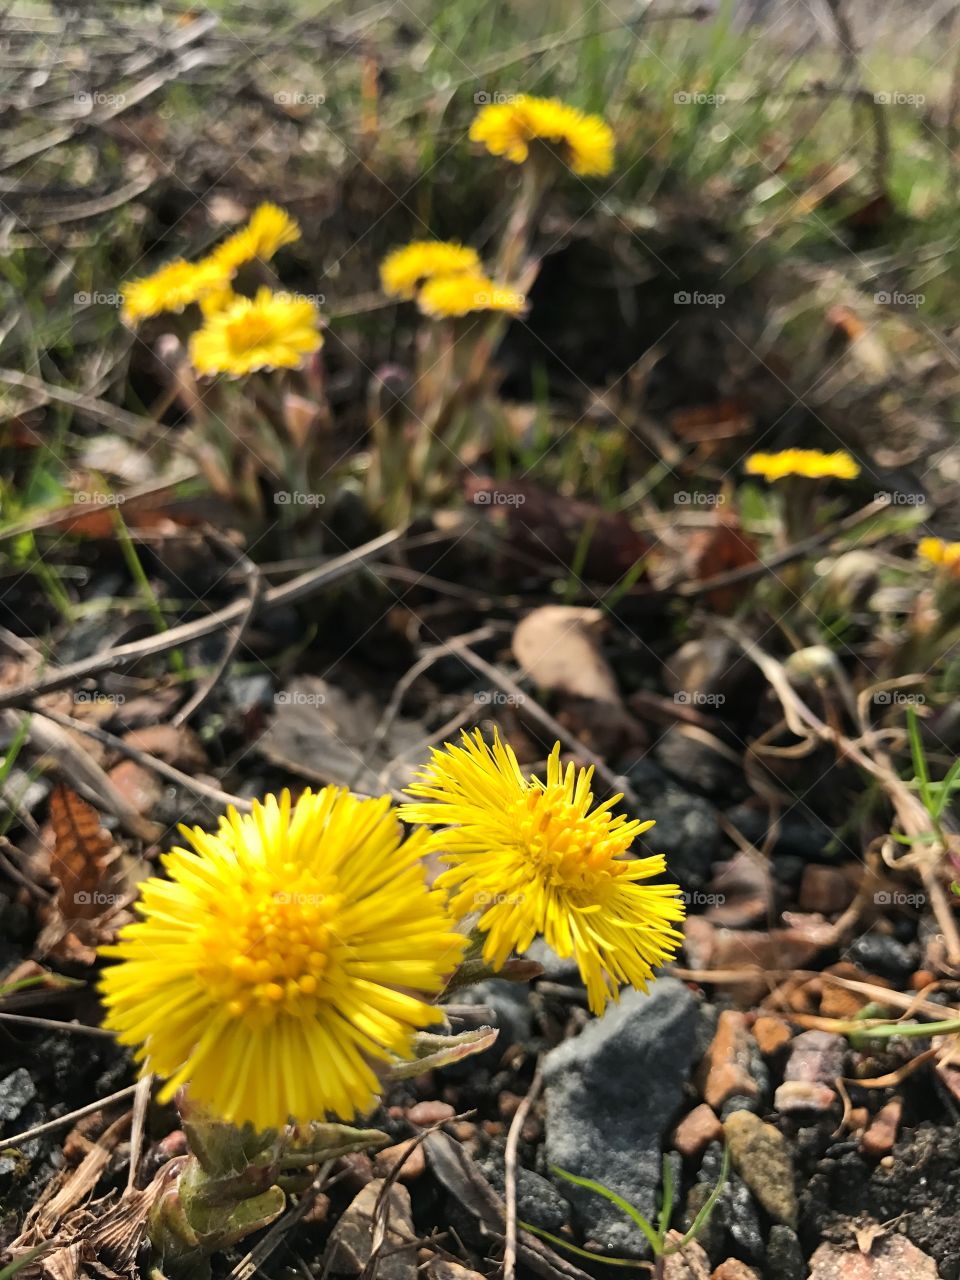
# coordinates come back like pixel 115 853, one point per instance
pixel 656 1244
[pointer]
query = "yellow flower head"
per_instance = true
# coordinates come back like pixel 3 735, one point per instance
pixel 270 331
pixel 468 291
pixel 171 288
pixel 404 269
pixel 284 956
pixel 536 857
pixel 803 462
pixel 945 555
pixel 584 142
pixel 268 230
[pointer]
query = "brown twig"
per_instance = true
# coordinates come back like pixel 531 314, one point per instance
pixel 510 1176
pixel 125 654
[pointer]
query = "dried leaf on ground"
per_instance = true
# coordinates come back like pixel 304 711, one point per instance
pixel 558 647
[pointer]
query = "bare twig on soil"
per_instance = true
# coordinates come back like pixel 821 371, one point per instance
pixel 168 771
pixel 254 582
pixel 510 1176
pixel 61 1122
pixel 125 654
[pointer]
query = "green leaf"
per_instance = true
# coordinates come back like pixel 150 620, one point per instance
pixel 656 1243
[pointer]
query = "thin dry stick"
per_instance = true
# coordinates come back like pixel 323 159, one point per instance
pixel 106 739
pixel 254 582
pixel 124 654
pixel 510 1176
pixel 78 1028
pixel 62 1121
pixel 250 1262
pixel 137 1127
pixel 546 720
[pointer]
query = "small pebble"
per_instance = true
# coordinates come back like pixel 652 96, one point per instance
pixel 817 1057
pixel 427 1113
pixel 726 1069
pixel 879 1139
pixel 771 1034
pixel 415 1164
pixel 803 1095
pixel 696 1131
pixel 732 1269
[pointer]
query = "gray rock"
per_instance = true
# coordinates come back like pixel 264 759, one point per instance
pixel 17 1091
pixel 883 955
pixel 554 968
pixel 693 763
pixel 784 1255
pixel 687 829
pixel 538 1200
pixel 351 1241
pixel 734 1212
pixel 510 1001
pixel 611 1094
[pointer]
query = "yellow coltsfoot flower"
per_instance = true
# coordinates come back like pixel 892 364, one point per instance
pixel 584 142
pixel 285 955
pixel 268 230
pixel 457 295
pixel 537 858
pixel 173 287
pixel 403 270
pixel 270 331
pixel 811 463
pixel 945 555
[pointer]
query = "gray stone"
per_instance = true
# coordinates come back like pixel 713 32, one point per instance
pixel 611 1095
pixel 510 1002
pixel 687 830
pixel 17 1091
pixel 538 1200
pixel 351 1241
pixel 784 1255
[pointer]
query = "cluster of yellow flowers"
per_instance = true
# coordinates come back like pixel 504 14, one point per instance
pixel 289 952
pixel 803 462
pixel 446 278
pixel 239 334
pixel 945 555
pixel 510 128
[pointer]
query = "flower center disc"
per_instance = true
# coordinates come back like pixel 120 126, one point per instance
pixel 568 848
pixel 267 950
pixel 248 332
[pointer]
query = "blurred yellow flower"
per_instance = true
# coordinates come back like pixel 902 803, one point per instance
pixel 171 288
pixel 536 858
pixel 468 291
pixel 803 462
pixel 284 956
pixel 945 555
pixel 270 331
pixel 584 142
pixel 404 269
pixel 268 230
